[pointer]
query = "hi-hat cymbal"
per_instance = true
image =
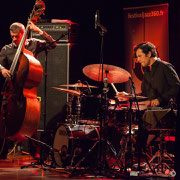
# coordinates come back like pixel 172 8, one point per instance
pixel 114 74
pixel 79 85
pixel 132 96
pixel 73 92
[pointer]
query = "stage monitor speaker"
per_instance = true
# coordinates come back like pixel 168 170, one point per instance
pixel 62 68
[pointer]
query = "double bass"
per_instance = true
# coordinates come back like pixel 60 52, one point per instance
pixel 20 110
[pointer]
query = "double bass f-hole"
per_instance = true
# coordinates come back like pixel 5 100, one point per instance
pixel 20 111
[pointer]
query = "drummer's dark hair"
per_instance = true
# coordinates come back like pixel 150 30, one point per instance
pixel 146 47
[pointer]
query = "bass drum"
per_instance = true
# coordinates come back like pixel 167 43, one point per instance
pixel 73 142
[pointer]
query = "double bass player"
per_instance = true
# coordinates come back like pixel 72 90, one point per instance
pixel 35 46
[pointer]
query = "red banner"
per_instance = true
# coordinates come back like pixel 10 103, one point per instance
pixel 147 23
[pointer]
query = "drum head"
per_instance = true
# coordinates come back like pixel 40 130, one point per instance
pixel 60 143
pixel 73 142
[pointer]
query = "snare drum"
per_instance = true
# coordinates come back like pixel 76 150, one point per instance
pixel 73 142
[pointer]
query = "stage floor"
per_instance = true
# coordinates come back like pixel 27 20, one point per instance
pixel 11 169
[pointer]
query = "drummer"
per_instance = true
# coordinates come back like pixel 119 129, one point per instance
pixel 160 81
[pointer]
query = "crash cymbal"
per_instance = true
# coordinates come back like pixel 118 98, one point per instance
pixel 73 92
pixel 114 74
pixel 79 85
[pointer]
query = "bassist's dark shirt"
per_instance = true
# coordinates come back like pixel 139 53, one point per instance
pixel 34 45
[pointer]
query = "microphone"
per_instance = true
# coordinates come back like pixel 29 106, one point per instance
pixel 89 89
pixel 96 20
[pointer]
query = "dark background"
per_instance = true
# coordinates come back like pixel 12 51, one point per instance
pixel 82 12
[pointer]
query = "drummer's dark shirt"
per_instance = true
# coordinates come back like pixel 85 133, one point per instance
pixel 161 82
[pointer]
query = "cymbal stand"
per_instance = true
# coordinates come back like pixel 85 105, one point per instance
pixel 102 166
pixel 78 104
pixel 69 117
pixel 140 126
pixel 78 109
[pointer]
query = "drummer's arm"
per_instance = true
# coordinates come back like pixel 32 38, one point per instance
pixel 151 103
pixel 154 103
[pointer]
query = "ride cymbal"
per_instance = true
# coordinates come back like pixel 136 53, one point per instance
pixel 73 92
pixel 114 74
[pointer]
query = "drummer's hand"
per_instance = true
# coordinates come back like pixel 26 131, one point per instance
pixel 122 94
pixel 154 103
pixel 5 72
pixel 33 27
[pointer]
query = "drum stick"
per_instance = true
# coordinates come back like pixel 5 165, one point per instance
pixel 116 91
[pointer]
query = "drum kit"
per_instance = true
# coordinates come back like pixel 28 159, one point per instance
pixel 80 134
pixel 99 132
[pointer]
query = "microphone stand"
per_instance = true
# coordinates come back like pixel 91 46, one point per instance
pixel 129 152
pixel 41 161
pixel 140 126
pixel 103 142
pixel 102 119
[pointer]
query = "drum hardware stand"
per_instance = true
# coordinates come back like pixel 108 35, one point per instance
pixel 161 153
pixel 140 128
pixel 118 157
pixel 78 109
pixel 127 148
pixel 69 109
pixel 73 119
pixel 121 154
pixel 40 161
pixel 103 143
pixel 74 170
